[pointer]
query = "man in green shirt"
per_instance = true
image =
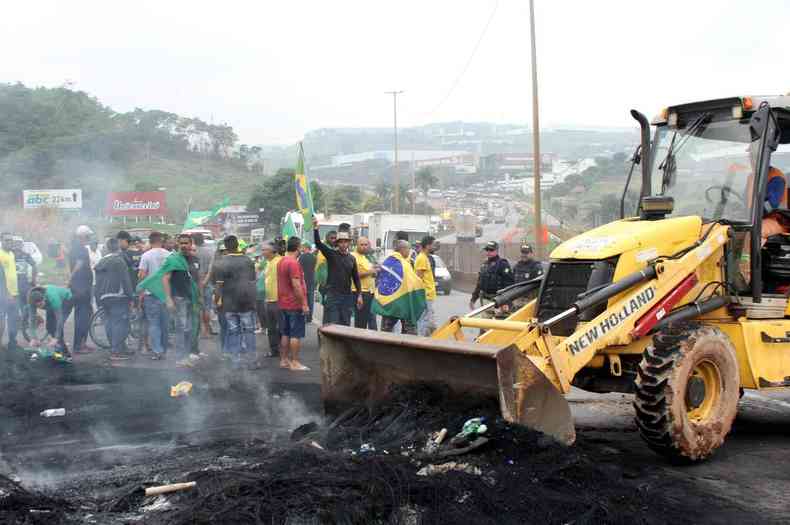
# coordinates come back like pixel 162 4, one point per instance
pixel 56 301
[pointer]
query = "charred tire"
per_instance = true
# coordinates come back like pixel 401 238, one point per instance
pixel 687 391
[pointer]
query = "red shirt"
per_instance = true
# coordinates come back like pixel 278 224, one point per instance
pixel 287 269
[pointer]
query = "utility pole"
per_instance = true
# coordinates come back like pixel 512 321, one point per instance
pixel 396 175
pixel 414 188
pixel 539 248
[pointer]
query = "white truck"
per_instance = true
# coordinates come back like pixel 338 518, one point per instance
pixel 383 226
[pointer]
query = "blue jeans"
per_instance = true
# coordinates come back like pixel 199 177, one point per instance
pixel 223 331
pixel 338 308
pixel 117 311
pixel 183 318
pixel 157 319
pixel 83 311
pixel 310 301
pixel 241 333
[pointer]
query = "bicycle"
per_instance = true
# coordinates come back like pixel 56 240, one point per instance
pixel 99 329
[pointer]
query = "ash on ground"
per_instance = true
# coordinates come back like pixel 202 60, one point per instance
pixel 366 465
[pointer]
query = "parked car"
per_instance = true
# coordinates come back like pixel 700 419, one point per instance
pixel 444 280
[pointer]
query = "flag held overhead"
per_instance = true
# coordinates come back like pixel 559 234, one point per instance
pixel 304 200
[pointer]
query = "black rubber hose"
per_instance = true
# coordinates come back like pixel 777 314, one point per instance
pixel 690 311
pixel 514 291
pixel 613 289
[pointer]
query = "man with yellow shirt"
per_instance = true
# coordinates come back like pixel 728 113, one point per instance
pixel 367 268
pixel 272 310
pixel 424 267
pixel 9 309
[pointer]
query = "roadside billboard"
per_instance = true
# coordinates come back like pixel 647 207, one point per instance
pixel 136 204
pixel 61 199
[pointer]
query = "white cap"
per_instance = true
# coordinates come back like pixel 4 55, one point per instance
pixel 84 230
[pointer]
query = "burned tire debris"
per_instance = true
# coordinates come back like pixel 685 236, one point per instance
pixel 365 465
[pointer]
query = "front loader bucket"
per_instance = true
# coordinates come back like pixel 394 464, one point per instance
pixel 360 366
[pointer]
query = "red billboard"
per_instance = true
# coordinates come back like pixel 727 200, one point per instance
pixel 136 203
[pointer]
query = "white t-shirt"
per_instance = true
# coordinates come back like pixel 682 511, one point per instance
pixel 152 260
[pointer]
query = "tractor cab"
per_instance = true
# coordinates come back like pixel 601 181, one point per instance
pixel 725 161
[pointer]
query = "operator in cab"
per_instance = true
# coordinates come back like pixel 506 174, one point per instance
pixel 495 274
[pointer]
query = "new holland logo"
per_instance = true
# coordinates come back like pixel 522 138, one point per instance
pixel 598 330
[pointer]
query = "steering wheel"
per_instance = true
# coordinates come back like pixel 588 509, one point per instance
pixel 725 190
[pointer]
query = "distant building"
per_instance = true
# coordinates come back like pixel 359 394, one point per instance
pixel 514 164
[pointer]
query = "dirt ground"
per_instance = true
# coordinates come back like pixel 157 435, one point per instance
pixel 122 430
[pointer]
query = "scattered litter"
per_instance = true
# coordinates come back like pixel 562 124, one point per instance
pixel 53 412
pixel 431 470
pixel 303 431
pixel 184 388
pixel 159 504
pixel 173 487
pixel 367 448
pixel 469 432
pixel 315 444
pixel 434 440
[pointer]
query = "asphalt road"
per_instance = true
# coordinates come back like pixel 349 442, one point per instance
pixel 750 471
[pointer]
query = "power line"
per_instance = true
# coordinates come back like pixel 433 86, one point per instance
pixel 469 60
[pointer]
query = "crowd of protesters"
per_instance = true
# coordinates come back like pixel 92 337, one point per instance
pixel 183 288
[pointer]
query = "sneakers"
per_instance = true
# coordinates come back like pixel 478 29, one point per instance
pixel 157 357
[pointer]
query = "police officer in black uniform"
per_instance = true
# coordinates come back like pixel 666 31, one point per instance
pixel 527 268
pixel 494 275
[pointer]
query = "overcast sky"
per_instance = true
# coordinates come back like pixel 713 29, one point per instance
pixel 276 69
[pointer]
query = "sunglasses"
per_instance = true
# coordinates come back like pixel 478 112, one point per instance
pixel 490 249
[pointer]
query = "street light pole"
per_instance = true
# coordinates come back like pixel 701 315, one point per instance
pixel 539 248
pixel 396 174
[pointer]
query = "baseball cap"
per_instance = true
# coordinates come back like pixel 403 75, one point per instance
pixel 526 248
pixel 84 230
pixel 491 246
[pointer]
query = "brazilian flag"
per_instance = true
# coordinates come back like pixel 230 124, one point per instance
pixel 399 292
pixel 175 262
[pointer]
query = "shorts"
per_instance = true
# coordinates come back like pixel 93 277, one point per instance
pixel 292 323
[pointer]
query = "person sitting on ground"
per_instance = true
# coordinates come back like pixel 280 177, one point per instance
pixel 57 302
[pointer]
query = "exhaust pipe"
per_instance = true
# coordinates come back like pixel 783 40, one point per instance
pixel 646 156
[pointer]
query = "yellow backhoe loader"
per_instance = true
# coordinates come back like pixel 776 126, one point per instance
pixel 682 302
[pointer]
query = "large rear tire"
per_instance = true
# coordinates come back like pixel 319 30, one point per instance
pixel 687 391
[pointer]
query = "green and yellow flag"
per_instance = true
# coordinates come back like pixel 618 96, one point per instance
pixel 399 292
pixel 304 199
pixel 289 228
pixel 175 262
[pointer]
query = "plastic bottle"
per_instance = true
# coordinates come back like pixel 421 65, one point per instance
pixel 469 432
pixel 474 426
pixel 54 412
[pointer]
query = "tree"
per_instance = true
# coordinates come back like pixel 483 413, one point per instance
pixel 276 196
pixel 344 199
pixel 374 203
pixel 425 180
pixel 317 193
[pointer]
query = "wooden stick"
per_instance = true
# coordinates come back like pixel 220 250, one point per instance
pixel 164 489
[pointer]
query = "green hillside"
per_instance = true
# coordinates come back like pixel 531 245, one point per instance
pixel 59 138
